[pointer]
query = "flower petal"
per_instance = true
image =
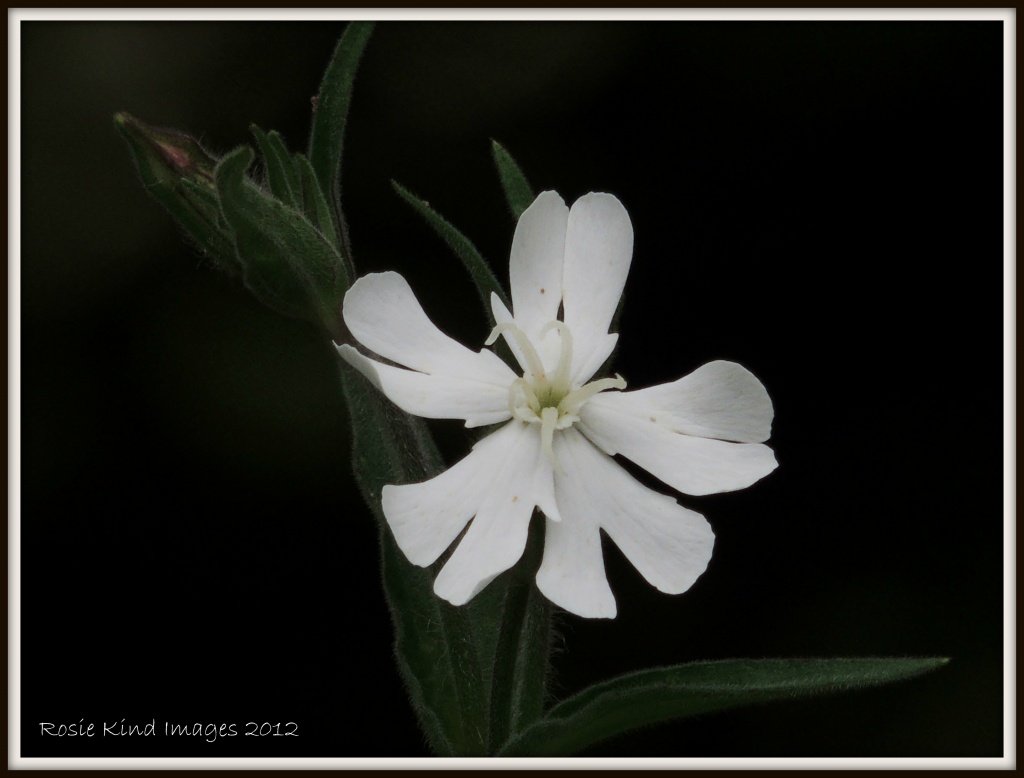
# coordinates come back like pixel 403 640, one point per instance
pixel 587 362
pixel 572 573
pixel 535 264
pixel 668 544
pixel 718 400
pixel 619 424
pixel 425 518
pixel 383 314
pixel 434 396
pixel 598 251
pixel 497 535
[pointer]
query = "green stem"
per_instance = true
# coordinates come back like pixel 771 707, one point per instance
pixel 435 647
pixel 522 657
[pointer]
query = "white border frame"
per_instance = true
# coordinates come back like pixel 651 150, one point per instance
pixel 14 19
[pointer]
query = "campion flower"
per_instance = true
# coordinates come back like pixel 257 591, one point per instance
pixel 560 427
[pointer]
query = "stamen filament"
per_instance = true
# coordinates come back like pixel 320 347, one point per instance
pixel 533 363
pixel 548 423
pixel 534 398
pixel 529 395
pixel 572 401
pixel 561 382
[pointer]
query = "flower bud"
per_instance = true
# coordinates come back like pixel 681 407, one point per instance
pixel 178 173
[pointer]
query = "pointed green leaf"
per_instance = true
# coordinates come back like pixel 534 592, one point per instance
pixel 178 173
pixel 291 170
pixel 518 192
pixel 284 184
pixel 314 204
pixel 478 268
pixel 326 140
pixel 285 260
pixel 436 650
pixel 651 696
pixel 332 104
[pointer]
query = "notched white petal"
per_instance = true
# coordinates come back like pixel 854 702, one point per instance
pixel 425 518
pixel 668 544
pixel 535 263
pixel 720 400
pixel 598 252
pixel 495 542
pixel 572 571
pixel 497 535
pixel 384 315
pixel 433 396
pixel 688 464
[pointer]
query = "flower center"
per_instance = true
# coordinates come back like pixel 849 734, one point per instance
pixel 544 397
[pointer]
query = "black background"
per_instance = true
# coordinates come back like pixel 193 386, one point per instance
pixel 821 202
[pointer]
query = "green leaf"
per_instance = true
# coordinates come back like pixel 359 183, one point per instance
pixel 436 650
pixel 478 268
pixel 284 181
pixel 178 173
pixel 314 204
pixel 285 260
pixel 651 696
pixel 327 137
pixel 332 104
pixel 291 171
pixel 518 192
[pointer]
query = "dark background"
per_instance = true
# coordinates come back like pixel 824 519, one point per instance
pixel 821 202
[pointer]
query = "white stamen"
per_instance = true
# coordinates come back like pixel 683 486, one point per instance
pixel 561 381
pixel 536 399
pixel 529 402
pixel 566 420
pixel 572 401
pixel 533 363
pixel 548 422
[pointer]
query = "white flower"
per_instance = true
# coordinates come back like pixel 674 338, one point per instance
pixel 700 434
